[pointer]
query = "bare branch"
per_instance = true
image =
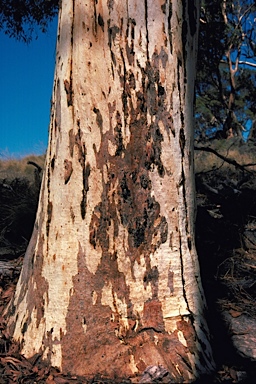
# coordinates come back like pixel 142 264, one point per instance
pixel 226 159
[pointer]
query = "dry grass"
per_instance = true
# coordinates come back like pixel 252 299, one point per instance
pixel 19 168
pixel 238 274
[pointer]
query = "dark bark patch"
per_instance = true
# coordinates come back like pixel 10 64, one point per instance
pixel 163 7
pixel 110 4
pixel 169 26
pixel 53 163
pixel 112 32
pixel 125 104
pixel 69 92
pixel 112 109
pixel 68 170
pixel 153 80
pixel 113 58
pixel 182 140
pixel 137 233
pixel 163 229
pixel 118 135
pixel 72 215
pixel 24 328
pixel 145 181
pixel 101 22
pixel 170 281
pixel 153 149
pixel 189 240
pixel 131 81
pixel 81 148
pixel 130 52
pixel 130 25
pixel 171 241
pixel 99 119
pixel 49 217
pixel 162 57
pixel 125 192
pixel 161 90
pixel 184 35
pixel 151 276
pixel 71 142
pixel 86 174
pixel 169 125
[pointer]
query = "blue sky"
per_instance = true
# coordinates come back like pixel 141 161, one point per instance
pixel 26 86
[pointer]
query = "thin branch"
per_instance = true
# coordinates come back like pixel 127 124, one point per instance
pixel 245 12
pixel 226 159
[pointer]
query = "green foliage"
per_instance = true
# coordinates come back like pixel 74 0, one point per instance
pixel 22 18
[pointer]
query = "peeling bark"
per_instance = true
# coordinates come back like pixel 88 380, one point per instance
pixel 111 281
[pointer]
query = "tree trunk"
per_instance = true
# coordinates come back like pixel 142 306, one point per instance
pixel 111 282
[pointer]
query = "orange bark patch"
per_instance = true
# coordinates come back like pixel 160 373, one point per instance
pixel 153 315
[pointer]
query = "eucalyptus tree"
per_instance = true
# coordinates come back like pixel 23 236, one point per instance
pixel 111 283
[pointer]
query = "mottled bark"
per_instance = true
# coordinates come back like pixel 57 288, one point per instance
pixel 111 281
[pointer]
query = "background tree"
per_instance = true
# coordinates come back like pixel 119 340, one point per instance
pixel 226 79
pixel 111 282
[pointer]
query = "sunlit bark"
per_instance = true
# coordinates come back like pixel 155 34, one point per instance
pixel 111 281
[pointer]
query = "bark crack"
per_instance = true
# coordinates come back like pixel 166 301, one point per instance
pixel 186 362
pixel 182 274
pixel 146 25
pixel 124 94
pixel 95 18
pixel 169 25
pixel 145 329
pixel 68 84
